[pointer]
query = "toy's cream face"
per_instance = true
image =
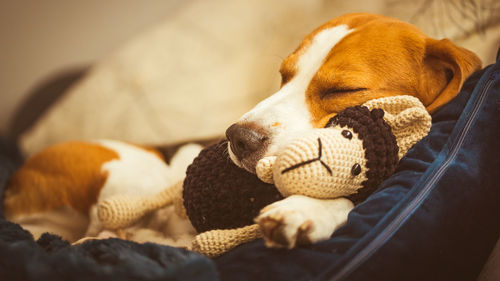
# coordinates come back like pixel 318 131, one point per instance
pixel 326 164
pixel 360 148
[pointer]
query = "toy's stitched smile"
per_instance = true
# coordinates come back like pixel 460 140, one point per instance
pixel 320 150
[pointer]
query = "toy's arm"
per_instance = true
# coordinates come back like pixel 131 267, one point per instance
pixel 302 220
pixel 294 220
pixel 214 243
pixel 123 210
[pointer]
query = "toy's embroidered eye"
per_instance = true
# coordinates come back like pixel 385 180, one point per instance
pixel 347 134
pixel 356 169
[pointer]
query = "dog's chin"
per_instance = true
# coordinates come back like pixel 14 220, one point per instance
pixel 246 164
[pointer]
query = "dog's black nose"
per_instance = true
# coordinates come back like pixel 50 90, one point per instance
pixel 245 139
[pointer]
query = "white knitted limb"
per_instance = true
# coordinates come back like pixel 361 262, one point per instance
pixel 124 210
pixel 214 243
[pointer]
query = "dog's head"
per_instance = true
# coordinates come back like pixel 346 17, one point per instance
pixel 346 62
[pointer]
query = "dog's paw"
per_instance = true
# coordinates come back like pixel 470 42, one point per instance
pixel 297 220
pixel 285 228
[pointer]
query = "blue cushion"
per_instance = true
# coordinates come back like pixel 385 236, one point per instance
pixel 436 218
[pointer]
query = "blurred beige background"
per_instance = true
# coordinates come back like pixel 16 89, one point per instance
pixel 42 38
pixel 171 70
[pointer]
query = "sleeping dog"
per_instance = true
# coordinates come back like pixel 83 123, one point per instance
pixel 345 62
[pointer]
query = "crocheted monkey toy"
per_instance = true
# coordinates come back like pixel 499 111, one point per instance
pixel 358 149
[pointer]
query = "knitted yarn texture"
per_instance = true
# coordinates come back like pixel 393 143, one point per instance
pixel 379 144
pixel 408 118
pixel 219 195
pixel 359 148
pixel 216 242
pixel 123 210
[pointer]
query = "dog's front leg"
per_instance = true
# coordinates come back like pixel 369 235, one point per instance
pixel 302 220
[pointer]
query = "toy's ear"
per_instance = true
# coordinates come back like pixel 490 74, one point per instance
pixel 407 117
pixel 445 68
pixel 265 169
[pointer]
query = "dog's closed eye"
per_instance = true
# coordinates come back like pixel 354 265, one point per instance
pixel 335 91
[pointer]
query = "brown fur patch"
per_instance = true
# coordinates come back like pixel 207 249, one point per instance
pixel 68 174
pixel 384 57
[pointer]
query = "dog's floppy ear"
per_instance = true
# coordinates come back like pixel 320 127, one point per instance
pixel 445 68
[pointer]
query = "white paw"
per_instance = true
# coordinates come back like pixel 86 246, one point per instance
pixel 300 220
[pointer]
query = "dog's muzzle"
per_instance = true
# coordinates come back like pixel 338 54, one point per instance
pixel 248 143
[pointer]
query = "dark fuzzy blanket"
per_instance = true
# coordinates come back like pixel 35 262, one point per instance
pixel 51 258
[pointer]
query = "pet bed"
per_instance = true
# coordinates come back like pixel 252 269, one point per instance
pixel 436 218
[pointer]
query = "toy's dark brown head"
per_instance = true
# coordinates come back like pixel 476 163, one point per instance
pixel 219 195
pixel 379 143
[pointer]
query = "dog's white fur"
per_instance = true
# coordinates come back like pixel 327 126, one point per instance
pixel 303 218
pixel 288 106
pixel 298 216
pixel 132 161
pixel 141 173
